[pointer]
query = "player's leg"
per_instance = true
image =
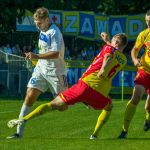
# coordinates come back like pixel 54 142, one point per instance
pixel 147 117
pixel 36 85
pixel 31 96
pixel 56 104
pixel 57 84
pixel 130 110
pixel 103 117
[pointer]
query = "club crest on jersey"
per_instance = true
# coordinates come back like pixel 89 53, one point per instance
pixel 119 59
pixel 43 37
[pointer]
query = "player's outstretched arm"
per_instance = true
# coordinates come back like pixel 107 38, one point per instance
pixel 106 62
pixel 105 37
pixel 134 55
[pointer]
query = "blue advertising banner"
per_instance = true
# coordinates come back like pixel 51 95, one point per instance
pixel 88 25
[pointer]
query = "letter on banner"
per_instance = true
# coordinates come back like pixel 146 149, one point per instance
pixel 117 25
pixel 70 22
pixel 69 27
pixel 116 28
pixel 101 25
pixel 135 26
pixel 87 25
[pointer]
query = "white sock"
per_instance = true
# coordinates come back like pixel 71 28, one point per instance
pixel 24 111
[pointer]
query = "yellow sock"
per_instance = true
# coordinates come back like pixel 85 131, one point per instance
pixel 40 110
pixel 129 113
pixel 147 116
pixel 101 120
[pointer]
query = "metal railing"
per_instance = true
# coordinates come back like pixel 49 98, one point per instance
pixel 15 72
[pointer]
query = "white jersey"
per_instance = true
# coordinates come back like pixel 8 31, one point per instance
pixel 51 40
pixel 50 73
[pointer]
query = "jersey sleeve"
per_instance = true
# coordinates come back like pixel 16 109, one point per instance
pixel 108 49
pixel 139 41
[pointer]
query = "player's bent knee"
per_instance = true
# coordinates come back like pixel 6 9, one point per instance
pixel 58 104
pixel 135 100
pixel 109 107
pixel 29 101
pixel 147 108
pixel 60 107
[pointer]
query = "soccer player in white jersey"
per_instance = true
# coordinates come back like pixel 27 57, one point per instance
pixel 50 70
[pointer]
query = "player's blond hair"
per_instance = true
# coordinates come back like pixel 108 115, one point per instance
pixel 41 13
pixel 122 37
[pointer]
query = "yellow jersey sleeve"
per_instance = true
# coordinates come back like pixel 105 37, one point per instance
pixel 143 40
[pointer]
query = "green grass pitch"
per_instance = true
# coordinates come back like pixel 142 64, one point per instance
pixel 70 130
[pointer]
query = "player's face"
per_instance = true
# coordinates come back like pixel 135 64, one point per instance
pixel 42 24
pixel 116 43
pixel 147 19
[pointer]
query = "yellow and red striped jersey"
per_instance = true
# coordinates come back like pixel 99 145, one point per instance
pixel 103 84
pixel 143 40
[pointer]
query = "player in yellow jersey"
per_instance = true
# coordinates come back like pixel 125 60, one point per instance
pixel 92 88
pixel 142 79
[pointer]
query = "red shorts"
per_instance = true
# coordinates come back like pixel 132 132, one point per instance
pixel 143 78
pixel 81 92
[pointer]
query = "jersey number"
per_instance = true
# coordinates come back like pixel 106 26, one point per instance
pixel 113 70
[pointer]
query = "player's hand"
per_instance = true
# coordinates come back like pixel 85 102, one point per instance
pixel 31 55
pixel 103 34
pixel 137 62
pixel 105 37
pixel 100 73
